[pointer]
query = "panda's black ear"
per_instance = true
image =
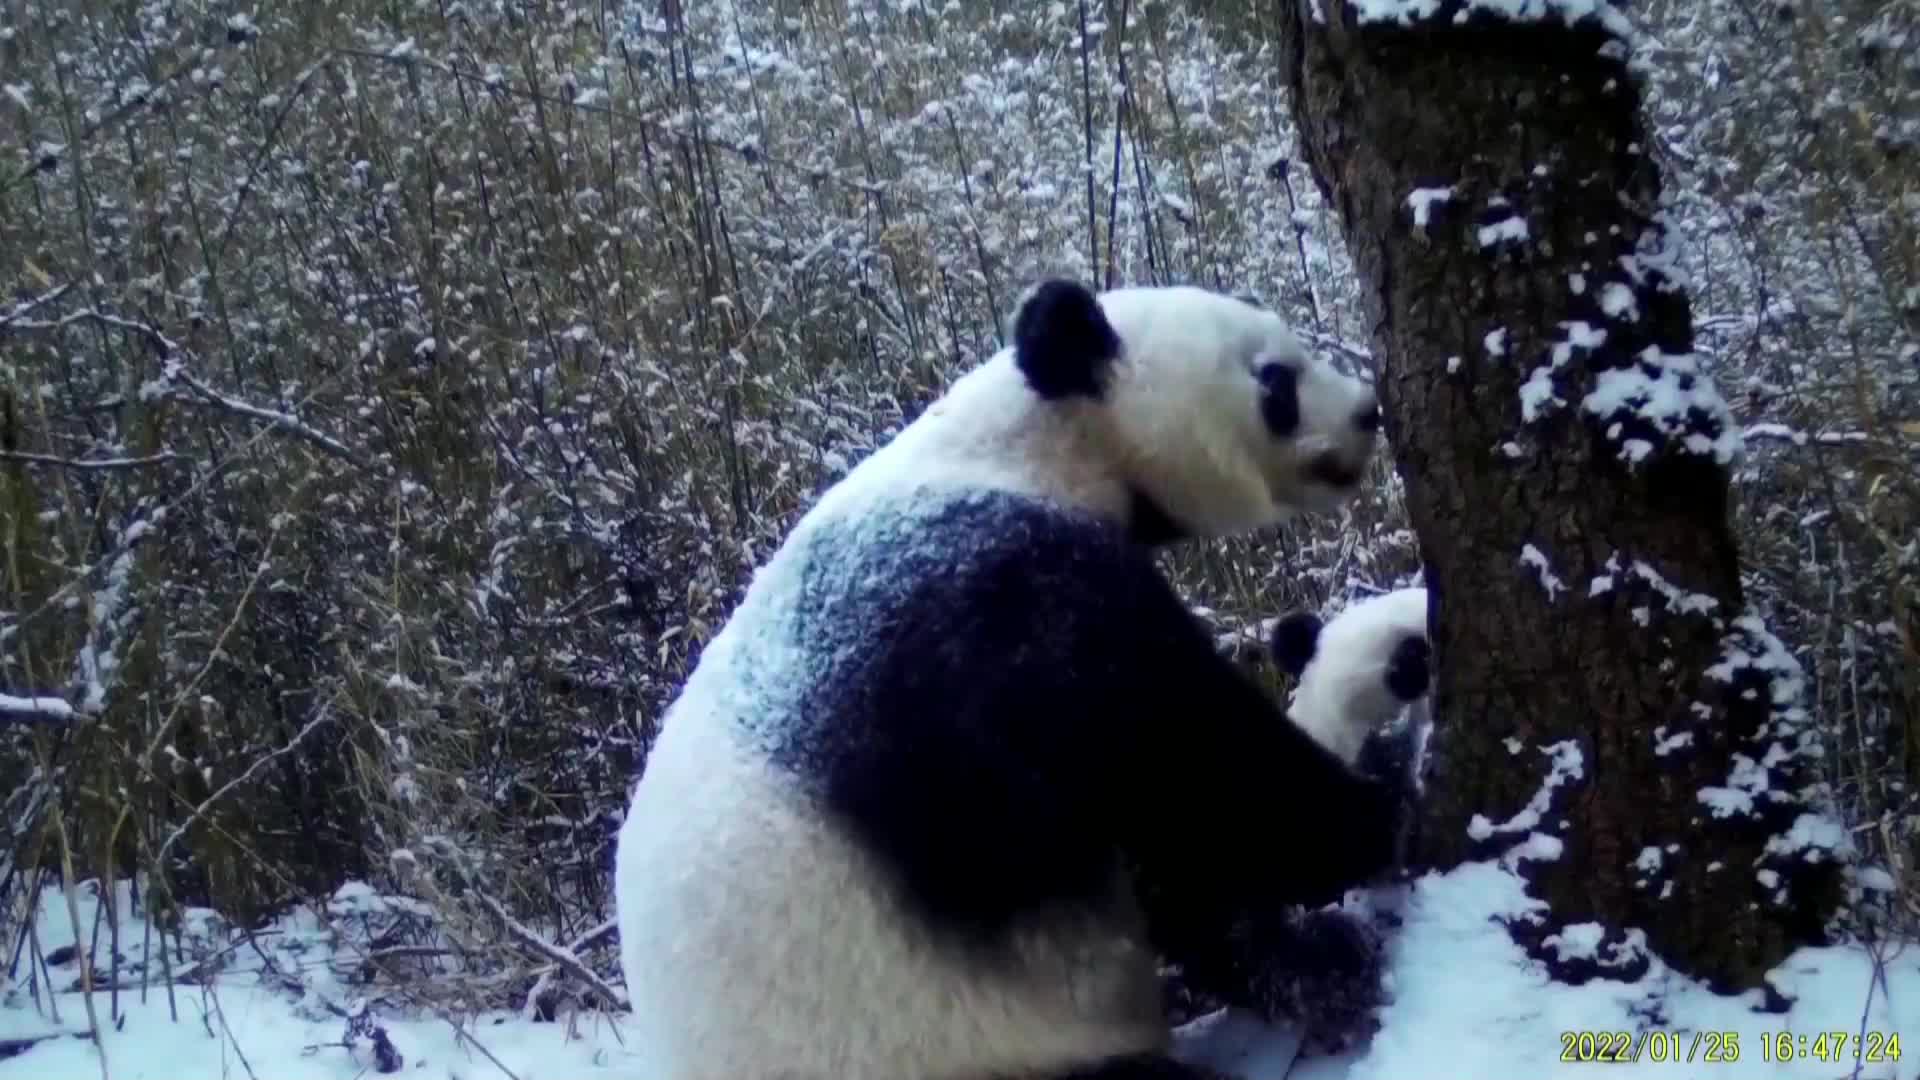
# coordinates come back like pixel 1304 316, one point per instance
pixel 1295 637
pixel 1062 341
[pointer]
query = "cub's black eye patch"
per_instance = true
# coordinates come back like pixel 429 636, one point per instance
pixel 1274 374
pixel 1279 398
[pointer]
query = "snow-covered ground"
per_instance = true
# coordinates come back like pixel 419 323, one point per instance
pixel 1466 1003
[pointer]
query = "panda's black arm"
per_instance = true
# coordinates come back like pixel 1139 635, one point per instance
pixel 1240 814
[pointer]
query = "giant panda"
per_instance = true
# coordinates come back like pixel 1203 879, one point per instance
pixel 917 813
pixel 1357 674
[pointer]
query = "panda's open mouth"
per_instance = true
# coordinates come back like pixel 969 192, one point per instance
pixel 1328 469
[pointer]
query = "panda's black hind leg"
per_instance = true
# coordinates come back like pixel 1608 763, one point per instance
pixel 1140 1067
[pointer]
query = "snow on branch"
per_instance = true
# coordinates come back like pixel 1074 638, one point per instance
pixel 174 374
pixel 26 307
pixel 1570 13
pixel 1358 355
pixel 92 465
pixel 325 713
pixel 559 954
pixel 35 707
pixel 273 418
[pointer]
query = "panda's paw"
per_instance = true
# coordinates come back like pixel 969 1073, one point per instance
pixel 1329 983
pixel 1410 669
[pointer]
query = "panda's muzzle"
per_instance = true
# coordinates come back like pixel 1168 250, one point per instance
pixel 1328 469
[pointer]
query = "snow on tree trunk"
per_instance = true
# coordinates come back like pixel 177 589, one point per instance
pixel 1612 719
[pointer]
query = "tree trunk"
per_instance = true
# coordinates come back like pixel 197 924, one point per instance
pixel 1611 721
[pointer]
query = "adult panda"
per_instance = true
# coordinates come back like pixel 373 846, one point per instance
pixel 916 814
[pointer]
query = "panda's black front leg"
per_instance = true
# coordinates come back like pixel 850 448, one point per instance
pixel 1234 818
pixel 1278 827
pixel 1321 970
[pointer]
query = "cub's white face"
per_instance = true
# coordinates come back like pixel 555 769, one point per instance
pixel 1359 670
pixel 1223 419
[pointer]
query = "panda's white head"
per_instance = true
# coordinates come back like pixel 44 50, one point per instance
pixel 1176 410
pixel 1358 671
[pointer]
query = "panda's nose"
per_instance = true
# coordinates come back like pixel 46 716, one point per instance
pixel 1368 418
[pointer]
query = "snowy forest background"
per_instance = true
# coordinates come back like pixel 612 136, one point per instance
pixel 395 396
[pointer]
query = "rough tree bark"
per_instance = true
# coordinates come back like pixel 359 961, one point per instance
pixel 1612 721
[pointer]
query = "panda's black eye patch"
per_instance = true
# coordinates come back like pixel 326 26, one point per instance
pixel 1279 398
pixel 1273 373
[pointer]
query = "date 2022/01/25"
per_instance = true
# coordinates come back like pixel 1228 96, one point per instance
pixel 1865 1047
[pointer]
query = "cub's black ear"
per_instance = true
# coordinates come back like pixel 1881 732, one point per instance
pixel 1062 341
pixel 1295 637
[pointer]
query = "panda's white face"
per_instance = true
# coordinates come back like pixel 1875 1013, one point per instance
pixel 1358 671
pixel 1223 419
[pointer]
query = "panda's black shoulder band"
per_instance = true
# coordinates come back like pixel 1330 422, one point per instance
pixel 1062 341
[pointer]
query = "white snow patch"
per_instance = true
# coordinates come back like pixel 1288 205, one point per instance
pixel 1577 941
pixel 1566 12
pixel 1769 655
pixel 1537 394
pixel 1237 1042
pixel 1664 744
pixel 1565 763
pixel 1537 847
pixel 1814 837
pixel 1678 601
pixel 1495 342
pixel 1465 1002
pixel 1746 783
pixel 1667 391
pixel 41 705
pixel 1422 201
pixel 1617 300
pixel 1507 230
pixel 1550 581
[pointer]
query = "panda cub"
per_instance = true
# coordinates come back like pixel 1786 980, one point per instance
pixel 918 812
pixel 1357 675
pixel 1361 678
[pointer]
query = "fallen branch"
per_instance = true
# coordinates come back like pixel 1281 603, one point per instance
pixel 587 940
pixel 96 464
pixel 558 954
